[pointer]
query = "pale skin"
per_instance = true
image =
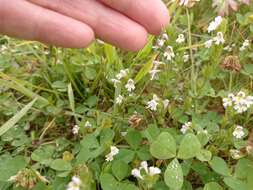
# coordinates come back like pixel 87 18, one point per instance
pixel 76 23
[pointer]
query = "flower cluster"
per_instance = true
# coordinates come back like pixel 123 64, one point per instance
pixel 75 183
pixel 153 72
pixel 185 127
pixel 122 74
pixel 218 39
pixel 240 102
pixel 144 170
pixel 75 130
pixel 238 132
pixel 114 151
pixel 244 45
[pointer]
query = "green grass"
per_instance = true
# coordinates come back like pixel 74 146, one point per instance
pixel 73 86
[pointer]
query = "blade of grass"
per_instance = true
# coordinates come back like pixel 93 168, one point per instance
pixel 11 122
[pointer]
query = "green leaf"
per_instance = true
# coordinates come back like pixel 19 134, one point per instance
pixel 60 165
pixel 145 69
pixel 71 97
pixel 212 186
pixel 134 138
pixel 10 167
pixel 164 147
pixel 235 184
pixel 242 168
pixel 108 182
pixel 125 155
pixel 173 175
pixel 204 155
pixel 151 133
pixel 106 136
pixel 220 166
pixel 189 147
pixel 11 122
pixel 120 169
pixel 43 155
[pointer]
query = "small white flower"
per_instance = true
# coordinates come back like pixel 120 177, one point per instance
pixel 219 39
pixel 244 45
pixel 87 124
pixel 114 151
pixel 208 43
pixel 154 171
pixel 75 129
pixel 180 39
pixel 75 184
pixel 115 82
pixel 238 132
pixel 185 127
pixel 153 73
pixel 152 104
pixel 228 48
pixel 235 154
pixel 122 74
pixel 119 99
pixel 214 24
pixel 144 165
pixel 130 85
pixel 186 57
pixel 136 173
pixel 169 53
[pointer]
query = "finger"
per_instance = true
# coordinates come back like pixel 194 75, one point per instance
pixel 19 18
pixel 152 14
pixel 108 24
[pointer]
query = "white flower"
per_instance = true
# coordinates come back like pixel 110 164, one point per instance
pixel 119 99
pixel 144 165
pixel 228 101
pixel 154 171
pixel 114 151
pixel 123 73
pixel 214 24
pixel 186 57
pixel 75 129
pixel 87 124
pixel 136 173
pixel 169 53
pixel 152 104
pixel 186 127
pixel 153 73
pixel 115 82
pixel 75 184
pixel 130 85
pixel 244 45
pixel 227 48
pixel 180 39
pixel 208 43
pixel 238 132
pixel 235 154
pixel 219 39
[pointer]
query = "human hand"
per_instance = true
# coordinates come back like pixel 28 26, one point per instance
pixel 74 23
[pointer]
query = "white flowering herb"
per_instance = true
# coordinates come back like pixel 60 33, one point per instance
pixel 114 151
pixel 87 124
pixel 219 39
pixel 75 129
pixel 130 85
pixel 240 102
pixel 115 82
pixel 244 45
pixel 119 99
pixel 180 39
pixel 186 57
pixel 152 104
pixel 75 183
pixel 214 24
pixel 166 103
pixel 238 132
pixel 208 44
pixel 185 127
pixel 150 171
pixel 169 53
pixel 122 74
